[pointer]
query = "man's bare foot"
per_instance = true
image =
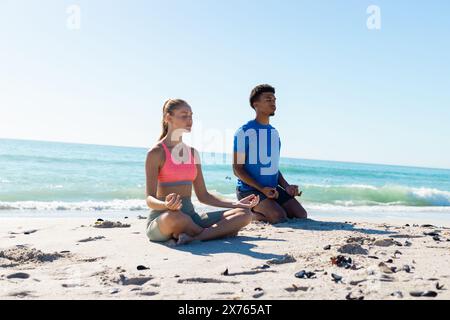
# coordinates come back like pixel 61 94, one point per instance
pixel 184 239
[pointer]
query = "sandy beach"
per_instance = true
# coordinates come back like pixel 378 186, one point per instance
pixel 79 258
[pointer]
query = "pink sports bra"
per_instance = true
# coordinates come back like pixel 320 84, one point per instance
pixel 177 173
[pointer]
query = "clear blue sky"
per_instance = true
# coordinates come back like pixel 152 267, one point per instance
pixel 344 92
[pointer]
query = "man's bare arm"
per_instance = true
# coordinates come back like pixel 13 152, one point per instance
pixel 239 171
pixel 282 181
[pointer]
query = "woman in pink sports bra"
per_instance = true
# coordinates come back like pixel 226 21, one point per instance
pixel 172 170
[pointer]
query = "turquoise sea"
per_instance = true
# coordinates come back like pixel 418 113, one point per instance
pixel 55 178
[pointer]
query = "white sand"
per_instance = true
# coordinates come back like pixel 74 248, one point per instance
pixel 104 264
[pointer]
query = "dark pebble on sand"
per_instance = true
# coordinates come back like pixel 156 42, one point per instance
pixel 408 244
pixel 225 273
pixel 373 257
pixel 303 274
pixel 342 262
pixel 383 267
pixel 439 287
pixel 349 296
pixel 431 234
pixel 19 275
pixel 397 294
pixel 357 282
pixel 140 268
pixel 336 278
pixel 406 268
pixel 328 247
pixel 100 220
pixel 430 294
pixel 258 295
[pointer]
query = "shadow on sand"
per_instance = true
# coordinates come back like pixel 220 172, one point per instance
pixel 241 244
pixel 245 245
pixel 313 225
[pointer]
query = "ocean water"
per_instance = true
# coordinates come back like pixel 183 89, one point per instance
pixel 39 177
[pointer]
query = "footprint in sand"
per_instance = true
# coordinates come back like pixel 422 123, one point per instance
pixel 224 293
pixel 92 259
pixel 294 288
pixel 91 239
pixel 133 281
pixel 9 265
pixel 204 280
pixel 72 285
pixel 149 293
pixel 22 255
pixel 248 273
pixel 21 294
pixel 353 248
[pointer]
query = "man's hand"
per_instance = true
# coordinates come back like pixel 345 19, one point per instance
pixel 173 202
pixel 292 190
pixel 270 193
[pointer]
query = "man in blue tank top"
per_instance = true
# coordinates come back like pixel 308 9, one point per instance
pixel 256 163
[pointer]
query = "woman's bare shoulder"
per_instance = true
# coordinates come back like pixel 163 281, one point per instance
pixel 156 152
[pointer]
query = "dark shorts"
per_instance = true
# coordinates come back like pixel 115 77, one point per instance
pixel 283 196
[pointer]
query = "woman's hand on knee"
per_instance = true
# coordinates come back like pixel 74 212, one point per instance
pixel 248 203
pixel 173 202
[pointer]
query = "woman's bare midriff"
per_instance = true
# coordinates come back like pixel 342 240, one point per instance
pixel 183 191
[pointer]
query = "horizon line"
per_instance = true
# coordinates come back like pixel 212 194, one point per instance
pixel 289 158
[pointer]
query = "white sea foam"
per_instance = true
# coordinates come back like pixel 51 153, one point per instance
pixel 114 205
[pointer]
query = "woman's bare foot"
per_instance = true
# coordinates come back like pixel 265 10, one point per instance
pixel 184 239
